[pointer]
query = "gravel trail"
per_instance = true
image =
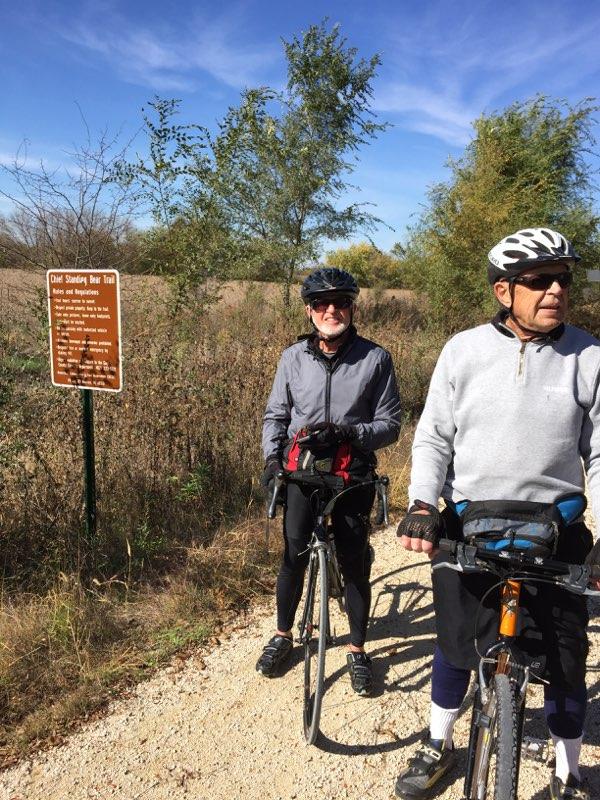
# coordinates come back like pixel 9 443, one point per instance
pixel 210 727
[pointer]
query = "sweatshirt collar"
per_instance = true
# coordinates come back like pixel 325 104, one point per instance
pixel 499 322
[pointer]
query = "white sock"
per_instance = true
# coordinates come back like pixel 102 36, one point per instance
pixel 567 756
pixel 442 723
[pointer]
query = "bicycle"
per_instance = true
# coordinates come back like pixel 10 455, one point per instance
pixel 496 731
pixel 324 579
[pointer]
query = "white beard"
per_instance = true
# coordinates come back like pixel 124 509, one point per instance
pixel 328 331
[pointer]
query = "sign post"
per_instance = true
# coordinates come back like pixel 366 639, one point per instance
pixel 85 350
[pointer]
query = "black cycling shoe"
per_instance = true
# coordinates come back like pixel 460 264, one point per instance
pixel 361 676
pixel 424 770
pixel 572 788
pixel 276 653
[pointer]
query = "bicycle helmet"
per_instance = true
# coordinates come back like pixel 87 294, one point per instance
pixel 328 280
pixel 526 249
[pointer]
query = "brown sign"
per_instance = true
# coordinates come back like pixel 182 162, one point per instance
pixel 85 328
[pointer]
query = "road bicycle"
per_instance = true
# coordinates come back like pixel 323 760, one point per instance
pixel 496 732
pixel 323 578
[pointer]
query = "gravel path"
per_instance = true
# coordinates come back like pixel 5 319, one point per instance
pixel 210 727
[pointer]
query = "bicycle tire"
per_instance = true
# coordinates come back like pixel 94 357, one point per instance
pixel 314 647
pixel 497 744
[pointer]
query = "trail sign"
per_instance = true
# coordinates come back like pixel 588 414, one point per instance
pixel 85 328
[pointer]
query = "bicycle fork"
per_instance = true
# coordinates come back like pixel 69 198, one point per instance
pixel 499 657
pixel 307 626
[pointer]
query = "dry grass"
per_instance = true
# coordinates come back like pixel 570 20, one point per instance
pixel 178 462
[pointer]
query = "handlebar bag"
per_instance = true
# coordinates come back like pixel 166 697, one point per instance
pixel 334 460
pixel 513 525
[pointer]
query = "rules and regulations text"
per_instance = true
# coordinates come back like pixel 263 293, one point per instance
pixel 85 328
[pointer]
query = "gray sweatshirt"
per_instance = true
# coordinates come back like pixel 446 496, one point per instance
pixel 358 388
pixel 511 420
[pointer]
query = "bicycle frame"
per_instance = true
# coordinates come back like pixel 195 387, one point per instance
pixel 324 580
pixel 502 661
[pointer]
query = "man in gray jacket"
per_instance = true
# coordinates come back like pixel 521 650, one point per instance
pixel 341 388
pixel 512 414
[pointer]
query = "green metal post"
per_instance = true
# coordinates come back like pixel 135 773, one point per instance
pixel 89 462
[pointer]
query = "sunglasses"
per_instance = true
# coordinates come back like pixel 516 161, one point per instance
pixel 545 280
pixel 324 303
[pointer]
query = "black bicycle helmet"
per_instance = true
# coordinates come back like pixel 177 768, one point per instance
pixel 526 249
pixel 328 280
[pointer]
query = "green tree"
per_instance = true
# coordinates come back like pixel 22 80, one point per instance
pixel 258 199
pixel 525 167
pixel 189 241
pixel 369 265
pixel 282 158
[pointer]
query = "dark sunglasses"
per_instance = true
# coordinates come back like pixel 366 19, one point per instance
pixel 545 280
pixel 324 303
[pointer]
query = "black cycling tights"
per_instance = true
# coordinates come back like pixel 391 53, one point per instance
pixel 351 525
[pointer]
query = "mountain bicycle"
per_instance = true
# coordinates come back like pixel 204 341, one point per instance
pixel 496 732
pixel 324 579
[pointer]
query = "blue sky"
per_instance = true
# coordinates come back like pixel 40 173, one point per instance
pixel 443 64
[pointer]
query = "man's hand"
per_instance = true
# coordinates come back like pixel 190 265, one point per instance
pixel 326 434
pixel 593 560
pixel 421 529
pixel 272 467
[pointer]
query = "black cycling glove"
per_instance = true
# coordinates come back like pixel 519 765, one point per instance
pixel 422 526
pixel 326 434
pixel 272 467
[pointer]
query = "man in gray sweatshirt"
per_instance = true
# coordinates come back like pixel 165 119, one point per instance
pixel 512 413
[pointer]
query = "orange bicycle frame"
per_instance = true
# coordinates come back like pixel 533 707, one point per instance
pixel 509 608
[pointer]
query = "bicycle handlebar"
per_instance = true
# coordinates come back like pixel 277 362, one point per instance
pixel 470 558
pixel 333 482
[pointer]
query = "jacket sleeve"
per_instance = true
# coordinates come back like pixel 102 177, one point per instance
pixel 384 428
pixel 277 414
pixel 589 447
pixel 433 445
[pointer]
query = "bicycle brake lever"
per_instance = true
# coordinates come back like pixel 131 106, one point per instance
pixel 577 580
pixel 465 559
pixel 278 483
pixel 385 482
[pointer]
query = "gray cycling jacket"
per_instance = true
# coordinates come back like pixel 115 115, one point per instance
pixel 357 387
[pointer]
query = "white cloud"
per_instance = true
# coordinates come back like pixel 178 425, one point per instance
pixel 25 160
pixel 164 58
pixel 453 69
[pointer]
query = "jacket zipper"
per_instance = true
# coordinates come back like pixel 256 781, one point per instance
pixel 328 392
pixel 521 359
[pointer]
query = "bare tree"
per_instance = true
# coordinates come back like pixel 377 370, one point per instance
pixel 72 216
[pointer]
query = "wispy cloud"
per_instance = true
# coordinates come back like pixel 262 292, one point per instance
pixel 163 58
pixel 453 69
pixel 33 162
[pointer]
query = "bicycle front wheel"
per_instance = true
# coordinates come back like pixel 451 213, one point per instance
pixel 496 740
pixel 315 631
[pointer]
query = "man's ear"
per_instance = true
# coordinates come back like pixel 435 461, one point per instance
pixel 502 292
pixel 308 309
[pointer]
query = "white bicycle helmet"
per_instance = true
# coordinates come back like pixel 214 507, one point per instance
pixel 528 248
